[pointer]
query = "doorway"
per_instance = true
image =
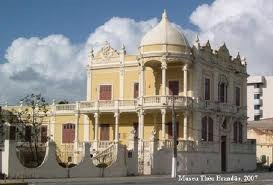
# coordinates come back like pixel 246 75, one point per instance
pixel 223 153
pixel 104 132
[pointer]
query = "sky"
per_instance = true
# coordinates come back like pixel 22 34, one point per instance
pixel 44 44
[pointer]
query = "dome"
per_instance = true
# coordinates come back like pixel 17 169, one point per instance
pixel 164 33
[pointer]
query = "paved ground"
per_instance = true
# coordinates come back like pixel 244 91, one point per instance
pixel 238 178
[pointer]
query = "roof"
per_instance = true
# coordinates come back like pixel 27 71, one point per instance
pixel 266 124
pixel 164 33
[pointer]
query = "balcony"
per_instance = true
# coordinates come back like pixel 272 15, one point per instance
pixel 131 105
pixel 148 102
pixel 258 91
pixel 258 112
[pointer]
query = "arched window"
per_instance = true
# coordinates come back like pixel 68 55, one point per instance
pixel 207 129
pixel 235 135
pixel 222 89
pixel 210 136
pixel 204 128
pixel 237 132
pixel 68 133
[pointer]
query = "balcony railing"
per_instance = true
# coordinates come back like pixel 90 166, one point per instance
pixel 151 102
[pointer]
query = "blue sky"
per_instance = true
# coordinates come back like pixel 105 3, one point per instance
pixel 44 44
pixel 76 19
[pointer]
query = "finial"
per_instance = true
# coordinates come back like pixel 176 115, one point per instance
pixel 91 54
pixel 123 49
pixel 197 39
pixel 238 56
pixel 208 44
pixel 164 15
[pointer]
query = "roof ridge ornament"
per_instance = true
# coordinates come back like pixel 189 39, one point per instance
pixel 164 14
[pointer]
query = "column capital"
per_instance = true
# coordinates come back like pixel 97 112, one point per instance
pixel 116 114
pixel 140 112
pixel 163 64
pixel 96 115
pixel 186 67
pixel 163 111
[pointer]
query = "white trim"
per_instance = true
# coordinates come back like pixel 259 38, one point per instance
pixel 98 90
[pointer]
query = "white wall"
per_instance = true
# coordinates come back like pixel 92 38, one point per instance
pixel 266 97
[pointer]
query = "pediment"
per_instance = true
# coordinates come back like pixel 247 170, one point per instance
pixel 106 52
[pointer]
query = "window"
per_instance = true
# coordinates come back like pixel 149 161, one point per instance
pixel 204 128
pixel 210 136
pixel 237 132
pixel 257 117
pixel 173 87
pixel 256 96
pixel 257 85
pixel 170 129
pixel 238 96
pixel 105 92
pixel 68 133
pixel 43 134
pixel 12 132
pixel 28 130
pixel 222 92
pixel 207 89
pixel 136 90
pixel 207 129
pixel 240 132
pixel 104 132
pixel 257 107
pixel 224 125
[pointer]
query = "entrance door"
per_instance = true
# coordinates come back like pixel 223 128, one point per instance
pixel 223 153
pixel 173 87
pixel 104 132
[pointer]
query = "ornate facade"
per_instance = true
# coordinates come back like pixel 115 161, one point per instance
pixel 130 98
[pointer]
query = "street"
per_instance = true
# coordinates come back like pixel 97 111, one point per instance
pixel 265 178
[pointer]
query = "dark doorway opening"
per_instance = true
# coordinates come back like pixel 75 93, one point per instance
pixel 223 153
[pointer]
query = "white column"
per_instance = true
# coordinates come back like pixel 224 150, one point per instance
pixel 163 120
pixel 52 122
pixel 89 85
pixel 141 125
pixel 86 128
pixel 163 68
pixel 185 71
pixel 77 115
pixel 96 116
pixel 116 115
pixel 185 125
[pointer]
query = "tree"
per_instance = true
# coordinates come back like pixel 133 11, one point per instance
pixel 30 117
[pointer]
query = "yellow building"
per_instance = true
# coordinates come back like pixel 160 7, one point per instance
pixel 131 96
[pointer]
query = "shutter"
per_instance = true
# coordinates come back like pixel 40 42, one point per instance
pixel 105 92
pixel 43 134
pixel 136 89
pixel 28 133
pixel 12 132
pixel 240 132
pixel 204 128
pixel 104 132
pixel 235 135
pixel 210 129
pixel 173 87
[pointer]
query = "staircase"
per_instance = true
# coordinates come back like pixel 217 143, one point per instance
pixel 105 157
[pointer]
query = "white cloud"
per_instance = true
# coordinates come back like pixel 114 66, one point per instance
pixel 244 25
pixel 55 66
